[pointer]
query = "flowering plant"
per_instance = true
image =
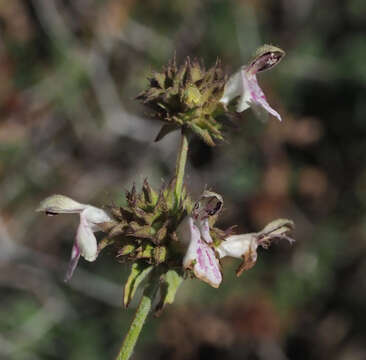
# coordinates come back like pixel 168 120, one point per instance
pixel 165 234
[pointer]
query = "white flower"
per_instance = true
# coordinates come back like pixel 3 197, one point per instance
pixel 194 231
pixel 244 246
pixel 90 217
pixel 244 83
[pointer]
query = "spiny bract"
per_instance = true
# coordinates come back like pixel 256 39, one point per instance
pixel 187 96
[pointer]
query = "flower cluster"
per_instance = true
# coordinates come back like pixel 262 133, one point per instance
pixel 165 234
pixel 192 98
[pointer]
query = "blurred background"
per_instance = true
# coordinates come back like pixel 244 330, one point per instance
pixel 69 124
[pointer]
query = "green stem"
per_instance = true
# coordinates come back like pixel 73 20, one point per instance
pixel 181 164
pixel 138 322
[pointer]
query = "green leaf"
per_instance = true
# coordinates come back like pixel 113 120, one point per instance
pixel 169 285
pixel 139 271
pixel 160 254
pixel 165 130
pixel 202 133
pixel 104 243
pixel 146 251
pixel 151 196
pixel 127 249
pixel 118 229
pixel 160 79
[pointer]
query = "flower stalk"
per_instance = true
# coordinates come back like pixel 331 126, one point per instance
pixel 138 322
pixel 180 165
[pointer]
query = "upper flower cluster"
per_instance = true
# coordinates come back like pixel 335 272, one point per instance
pixel 186 96
pixel 191 97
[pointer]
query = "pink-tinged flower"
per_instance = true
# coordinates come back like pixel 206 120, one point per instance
pixel 194 231
pixel 91 217
pixel 244 246
pixel 244 83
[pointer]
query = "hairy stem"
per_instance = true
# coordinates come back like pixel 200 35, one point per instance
pixel 137 323
pixel 181 164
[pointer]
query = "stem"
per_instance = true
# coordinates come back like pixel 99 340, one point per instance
pixel 137 323
pixel 181 164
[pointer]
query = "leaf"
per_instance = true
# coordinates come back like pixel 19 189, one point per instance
pixel 195 72
pixel 169 285
pixel 150 195
pixel 146 251
pixel 104 243
pixel 139 231
pixel 127 249
pixel 118 229
pixel 160 79
pixel 202 133
pixel 139 271
pixel 165 130
pixel 160 254
pixel 161 233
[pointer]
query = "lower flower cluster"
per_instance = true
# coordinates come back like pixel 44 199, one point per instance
pixel 164 237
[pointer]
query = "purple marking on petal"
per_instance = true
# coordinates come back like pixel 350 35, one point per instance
pixel 200 258
pixel 205 230
pixel 207 265
pixel 75 255
pixel 257 97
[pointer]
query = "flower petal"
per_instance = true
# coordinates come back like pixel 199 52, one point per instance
pixel 233 88
pixel 86 239
pixel 75 255
pixel 243 247
pixel 95 216
pixel 200 257
pixel 58 204
pixel 207 267
pixel 254 97
pixel 237 245
pixel 204 228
